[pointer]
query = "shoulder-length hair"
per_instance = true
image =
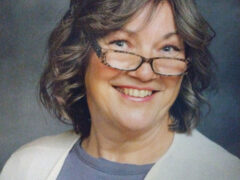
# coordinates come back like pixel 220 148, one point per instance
pixel 62 86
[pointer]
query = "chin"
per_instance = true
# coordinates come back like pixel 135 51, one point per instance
pixel 134 124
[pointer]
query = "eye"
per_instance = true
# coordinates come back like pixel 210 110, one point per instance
pixel 170 48
pixel 119 43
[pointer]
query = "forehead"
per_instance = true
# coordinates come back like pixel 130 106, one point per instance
pixel 155 19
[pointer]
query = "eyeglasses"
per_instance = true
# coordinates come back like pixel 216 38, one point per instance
pixel 129 61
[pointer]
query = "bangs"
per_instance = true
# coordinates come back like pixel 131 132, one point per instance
pixel 109 16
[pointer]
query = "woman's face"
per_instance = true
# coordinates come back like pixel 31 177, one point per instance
pixel 114 96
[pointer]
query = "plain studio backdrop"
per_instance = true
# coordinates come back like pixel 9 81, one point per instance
pixel 24 28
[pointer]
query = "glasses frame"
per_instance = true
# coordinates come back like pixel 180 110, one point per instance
pixel 101 53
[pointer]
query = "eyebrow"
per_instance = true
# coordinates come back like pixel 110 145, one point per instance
pixel 127 31
pixel 166 36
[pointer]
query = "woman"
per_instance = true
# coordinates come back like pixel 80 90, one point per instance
pixel 130 76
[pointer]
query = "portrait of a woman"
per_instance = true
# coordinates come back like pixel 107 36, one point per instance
pixel 130 76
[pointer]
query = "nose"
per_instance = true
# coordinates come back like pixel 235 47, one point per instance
pixel 144 73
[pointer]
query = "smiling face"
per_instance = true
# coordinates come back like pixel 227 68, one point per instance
pixel 136 100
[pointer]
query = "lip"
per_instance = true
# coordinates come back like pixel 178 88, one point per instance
pixel 134 87
pixel 136 99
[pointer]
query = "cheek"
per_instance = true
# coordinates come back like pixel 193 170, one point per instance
pixel 172 82
pixel 172 87
pixel 98 77
pixel 96 71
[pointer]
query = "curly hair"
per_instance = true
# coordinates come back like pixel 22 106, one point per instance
pixel 62 86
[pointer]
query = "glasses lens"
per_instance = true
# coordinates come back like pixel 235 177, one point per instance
pixel 168 66
pixel 122 60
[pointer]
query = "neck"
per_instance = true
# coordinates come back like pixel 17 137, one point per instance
pixel 127 146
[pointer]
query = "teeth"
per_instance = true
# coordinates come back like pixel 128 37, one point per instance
pixel 136 92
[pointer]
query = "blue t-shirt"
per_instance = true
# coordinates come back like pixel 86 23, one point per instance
pixel 80 166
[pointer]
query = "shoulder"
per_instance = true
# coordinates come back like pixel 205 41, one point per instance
pixel 194 156
pixel 46 145
pixel 54 142
pixel 38 157
pixel 208 157
pixel 198 144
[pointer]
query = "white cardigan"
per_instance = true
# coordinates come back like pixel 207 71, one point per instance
pixel 189 157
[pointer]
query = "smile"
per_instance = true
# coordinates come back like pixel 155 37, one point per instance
pixel 135 92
